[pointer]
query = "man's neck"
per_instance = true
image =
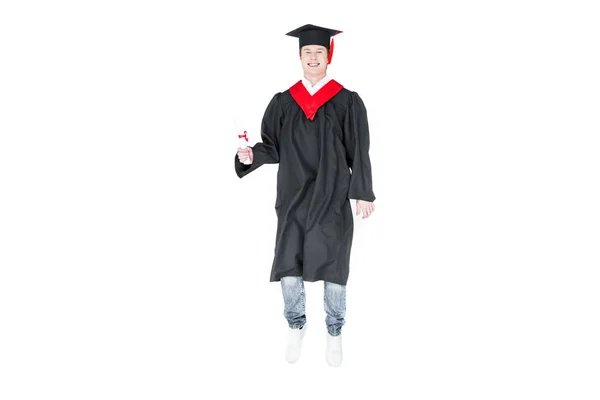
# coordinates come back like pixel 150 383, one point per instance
pixel 314 79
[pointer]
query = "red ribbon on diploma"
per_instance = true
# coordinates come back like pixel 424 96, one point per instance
pixel 245 136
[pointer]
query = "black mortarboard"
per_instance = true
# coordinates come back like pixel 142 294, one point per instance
pixel 312 34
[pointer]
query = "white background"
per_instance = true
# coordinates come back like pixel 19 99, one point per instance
pixel 135 263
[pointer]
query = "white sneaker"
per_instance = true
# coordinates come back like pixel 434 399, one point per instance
pixel 294 344
pixel 334 350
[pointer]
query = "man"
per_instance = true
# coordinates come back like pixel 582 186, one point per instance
pixel 317 131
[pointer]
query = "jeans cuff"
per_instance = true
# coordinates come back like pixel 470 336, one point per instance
pixel 333 331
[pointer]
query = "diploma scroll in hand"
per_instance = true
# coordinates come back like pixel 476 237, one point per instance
pixel 242 139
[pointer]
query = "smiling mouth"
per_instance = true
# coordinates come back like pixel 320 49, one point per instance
pixel 314 64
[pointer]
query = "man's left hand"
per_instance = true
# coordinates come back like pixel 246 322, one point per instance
pixel 364 207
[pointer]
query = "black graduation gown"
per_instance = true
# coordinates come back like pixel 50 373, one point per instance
pixel 323 162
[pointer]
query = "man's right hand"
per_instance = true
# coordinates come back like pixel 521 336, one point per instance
pixel 245 154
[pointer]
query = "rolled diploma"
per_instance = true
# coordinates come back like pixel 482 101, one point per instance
pixel 242 139
pixel 244 144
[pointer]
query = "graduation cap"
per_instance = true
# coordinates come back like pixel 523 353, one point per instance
pixel 312 34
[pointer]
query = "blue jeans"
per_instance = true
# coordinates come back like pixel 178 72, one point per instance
pixel 294 299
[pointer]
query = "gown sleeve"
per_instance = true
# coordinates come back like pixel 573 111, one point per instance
pixel 267 151
pixel 356 142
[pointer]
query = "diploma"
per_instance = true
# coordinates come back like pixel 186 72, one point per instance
pixel 242 136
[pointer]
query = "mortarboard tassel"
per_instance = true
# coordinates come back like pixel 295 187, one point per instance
pixel 330 51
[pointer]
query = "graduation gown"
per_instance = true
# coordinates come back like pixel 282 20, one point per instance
pixel 321 146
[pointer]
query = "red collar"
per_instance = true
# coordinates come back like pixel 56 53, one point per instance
pixel 310 104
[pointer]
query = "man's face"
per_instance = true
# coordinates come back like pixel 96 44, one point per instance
pixel 314 59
